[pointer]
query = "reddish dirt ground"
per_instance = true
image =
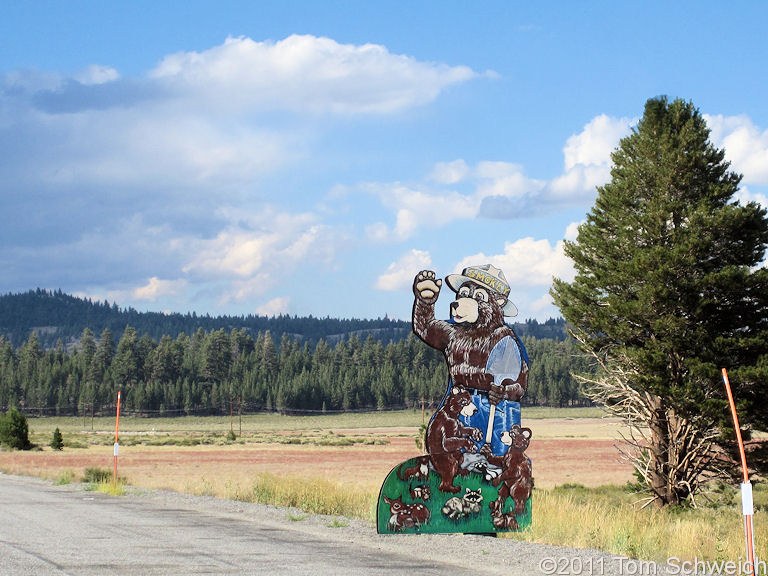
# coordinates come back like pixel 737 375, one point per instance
pixel 214 469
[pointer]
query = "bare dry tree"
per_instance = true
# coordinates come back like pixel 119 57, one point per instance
pixel 674 456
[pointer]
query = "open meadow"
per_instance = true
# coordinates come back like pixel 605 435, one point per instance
pixel 335 464
pixel 355 449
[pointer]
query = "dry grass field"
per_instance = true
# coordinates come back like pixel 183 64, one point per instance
pixel 192 454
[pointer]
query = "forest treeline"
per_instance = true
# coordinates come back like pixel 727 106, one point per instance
pixel 231 371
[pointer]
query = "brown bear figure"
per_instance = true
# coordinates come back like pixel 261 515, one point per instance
pixel 516 478
pixel 447 439
pixel 483 353
pixel 477 326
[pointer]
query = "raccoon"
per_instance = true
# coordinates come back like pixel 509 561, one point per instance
pixel 457 508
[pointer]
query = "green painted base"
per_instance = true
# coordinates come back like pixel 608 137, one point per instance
pixel 415 505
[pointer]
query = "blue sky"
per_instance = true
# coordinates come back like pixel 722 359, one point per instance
pixel 310 157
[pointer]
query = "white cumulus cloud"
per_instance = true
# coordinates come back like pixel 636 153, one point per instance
pixel 449 172
pixel 258 244
pixel 274 307
pixel 746 146
pixel 96 74
pixel 456 190
pixel 308 74
pixel 594 144
pixel 744 195
pixel 572 231
pixel 587 156
pixel 415 208
pixel 526 262
pixel 400 274
pixel 156 288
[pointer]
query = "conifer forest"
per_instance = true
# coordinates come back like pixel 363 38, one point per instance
pixel 241 370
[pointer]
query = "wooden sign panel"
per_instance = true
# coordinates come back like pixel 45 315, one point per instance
pixel 475 477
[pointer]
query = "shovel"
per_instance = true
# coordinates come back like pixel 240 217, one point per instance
pixel 504 362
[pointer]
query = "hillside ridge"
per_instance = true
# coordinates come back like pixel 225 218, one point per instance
pixel 55 316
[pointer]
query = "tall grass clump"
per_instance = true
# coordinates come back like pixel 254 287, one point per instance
pixel 95 475
pixel 573 516
pixel 610 519
pixel 315 495
pixel 66 477
pixel 110 488
pixel 102 480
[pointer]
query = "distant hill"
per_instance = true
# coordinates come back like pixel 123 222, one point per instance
pixel 55 316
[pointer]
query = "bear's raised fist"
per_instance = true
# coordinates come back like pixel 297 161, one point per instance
pixel 426 287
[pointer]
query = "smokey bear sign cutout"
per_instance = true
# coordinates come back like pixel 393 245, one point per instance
pixel 475 477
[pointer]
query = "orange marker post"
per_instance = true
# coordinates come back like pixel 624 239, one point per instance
pixel 747 507
pixel 117 440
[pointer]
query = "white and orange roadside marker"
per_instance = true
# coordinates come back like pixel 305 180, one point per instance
pixel 747 506
pixel 116 451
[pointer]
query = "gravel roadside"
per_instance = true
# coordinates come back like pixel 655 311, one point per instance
pixel 479 554
pixel 68 531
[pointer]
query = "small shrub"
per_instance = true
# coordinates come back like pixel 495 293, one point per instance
pixel 231 436
pixel 70 443
pixel 97 475
pixel 419 439
pixel 64 478
pixel 57 442
pixel 338 523
pixel 205 488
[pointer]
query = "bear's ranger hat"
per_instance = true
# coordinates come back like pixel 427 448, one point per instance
pixel 487 276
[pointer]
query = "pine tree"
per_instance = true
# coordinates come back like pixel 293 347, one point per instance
pixel 668 290
pixel 125 365
pixel 57 442
pixel 14 430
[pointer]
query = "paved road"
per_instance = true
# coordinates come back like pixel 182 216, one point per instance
pixel 65 530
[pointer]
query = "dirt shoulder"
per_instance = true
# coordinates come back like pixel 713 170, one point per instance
pixel 474 553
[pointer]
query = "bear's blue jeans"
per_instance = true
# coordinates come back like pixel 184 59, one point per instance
pixel 507 414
